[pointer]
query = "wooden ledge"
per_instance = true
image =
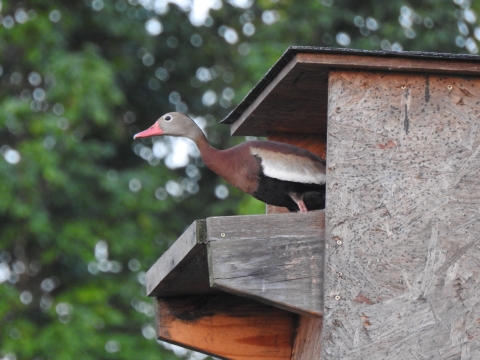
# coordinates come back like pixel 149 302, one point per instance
pixel 275 259
pixel 227 326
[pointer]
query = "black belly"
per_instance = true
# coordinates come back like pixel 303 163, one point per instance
pixel 276 192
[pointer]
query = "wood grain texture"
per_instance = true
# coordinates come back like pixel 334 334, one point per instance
pixel 295 102
pixel 227 327
pixel 308 339
pixel 402 271
pixel 276 259
pixel 183 268
pixel 361 62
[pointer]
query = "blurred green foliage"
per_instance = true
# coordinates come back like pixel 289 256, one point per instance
pixel 84 209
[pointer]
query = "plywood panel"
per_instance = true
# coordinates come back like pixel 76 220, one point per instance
pixel 402 272
pixel 227 326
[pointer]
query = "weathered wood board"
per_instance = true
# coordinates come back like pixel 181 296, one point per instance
pixel 227 326
pixel 183 268
pixel 276 259
pixel 402 267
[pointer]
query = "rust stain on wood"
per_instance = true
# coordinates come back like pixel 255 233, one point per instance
pixel 388 145
pixel 363 299
pixel 367 323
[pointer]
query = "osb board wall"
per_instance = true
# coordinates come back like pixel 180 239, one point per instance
pixel 402 273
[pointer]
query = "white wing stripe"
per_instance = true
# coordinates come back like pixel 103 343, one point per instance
pixel 290 167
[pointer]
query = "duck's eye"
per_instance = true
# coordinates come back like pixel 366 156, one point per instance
pixel 167 118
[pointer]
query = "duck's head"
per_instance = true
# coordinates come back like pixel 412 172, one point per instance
pixel 173 124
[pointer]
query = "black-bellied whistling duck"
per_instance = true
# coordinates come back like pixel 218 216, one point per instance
pixel 275 173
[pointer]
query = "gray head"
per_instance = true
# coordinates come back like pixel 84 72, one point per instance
pixel 173 124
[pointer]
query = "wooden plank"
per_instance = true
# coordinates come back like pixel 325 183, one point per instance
pixel 308 340
pixel 391 63
pixel 276 259
pixel 402 272
pixel 183 268
pixel 227 327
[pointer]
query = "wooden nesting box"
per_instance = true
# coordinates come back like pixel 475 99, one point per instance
pixel 396 272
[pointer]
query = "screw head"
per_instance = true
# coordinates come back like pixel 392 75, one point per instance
pixel 339 242
pixel 222 234
pixel 339 274
pixel 449 87
pixel 337 297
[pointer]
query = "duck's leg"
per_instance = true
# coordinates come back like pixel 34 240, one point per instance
pixel 299 201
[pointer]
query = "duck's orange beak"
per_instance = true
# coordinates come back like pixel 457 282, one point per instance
pixel 153 130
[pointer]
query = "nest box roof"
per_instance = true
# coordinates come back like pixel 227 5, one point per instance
pixel 293 95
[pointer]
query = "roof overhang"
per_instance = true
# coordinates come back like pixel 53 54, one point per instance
pixel 293 95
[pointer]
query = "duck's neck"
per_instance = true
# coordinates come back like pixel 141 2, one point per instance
pixel 232 165
pixel 210 155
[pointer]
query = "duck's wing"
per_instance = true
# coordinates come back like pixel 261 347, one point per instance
pixel 289 163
